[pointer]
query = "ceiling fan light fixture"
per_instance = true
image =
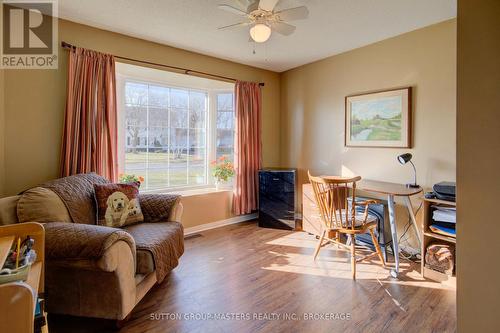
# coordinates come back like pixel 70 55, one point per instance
pixel 260 32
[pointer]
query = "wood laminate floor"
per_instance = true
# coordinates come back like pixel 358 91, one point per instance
pixel 264 280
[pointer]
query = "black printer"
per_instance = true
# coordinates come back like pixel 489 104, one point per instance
pixel 445 191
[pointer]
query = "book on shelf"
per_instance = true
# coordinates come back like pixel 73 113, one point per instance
pixel 443 229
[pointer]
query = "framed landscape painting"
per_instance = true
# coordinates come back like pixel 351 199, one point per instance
pixel 379 119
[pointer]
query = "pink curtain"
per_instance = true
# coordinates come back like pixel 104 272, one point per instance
pixel 89 142
pixel 247 151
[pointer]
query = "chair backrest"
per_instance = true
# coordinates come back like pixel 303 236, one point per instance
pixel 331 196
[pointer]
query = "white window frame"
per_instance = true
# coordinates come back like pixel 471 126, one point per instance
pixel 211 139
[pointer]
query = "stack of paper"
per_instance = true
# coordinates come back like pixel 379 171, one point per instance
pixel 444 214
pixel 444 220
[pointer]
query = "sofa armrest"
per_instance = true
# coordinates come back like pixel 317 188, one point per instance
pixel 86 246
pixel 177 211
pixel 117 254
pixel 160 207
pixel 103 288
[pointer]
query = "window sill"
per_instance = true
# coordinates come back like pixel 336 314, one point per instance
pixel 191 192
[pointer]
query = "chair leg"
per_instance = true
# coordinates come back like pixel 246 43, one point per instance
pixel 337 238
pixel 377 247
pixel 353 256
pixel 320 241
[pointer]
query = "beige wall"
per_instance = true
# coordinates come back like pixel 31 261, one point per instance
pixel 35 102
pixel 2 136
pixel 312 104
pixel 478 153
pixel 206 208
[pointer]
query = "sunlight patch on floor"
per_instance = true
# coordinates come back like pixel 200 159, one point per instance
pixel 296 239
pixel 294 254
pixel 331 266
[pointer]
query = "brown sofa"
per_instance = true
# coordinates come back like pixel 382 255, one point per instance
pixel 102 280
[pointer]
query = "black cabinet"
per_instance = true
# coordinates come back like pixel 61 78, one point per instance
pixel 277 191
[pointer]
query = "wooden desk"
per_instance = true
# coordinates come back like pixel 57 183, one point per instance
pixel 393 190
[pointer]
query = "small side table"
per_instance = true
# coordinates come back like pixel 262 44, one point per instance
pixel 18 299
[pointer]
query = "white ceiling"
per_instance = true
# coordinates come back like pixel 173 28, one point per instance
pixel 333 26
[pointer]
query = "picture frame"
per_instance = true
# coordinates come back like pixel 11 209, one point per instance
pixel 380 119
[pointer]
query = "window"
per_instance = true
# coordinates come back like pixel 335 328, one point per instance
pixel 225 125
pixel 169 133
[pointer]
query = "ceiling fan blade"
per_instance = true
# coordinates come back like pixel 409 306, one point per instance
pixel 242 3
pixel 238 4
pixel 283 28
pixel 232 26
pixel 268 4
pixel 232 9
pixel 292 14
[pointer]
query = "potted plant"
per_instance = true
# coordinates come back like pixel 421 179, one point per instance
pixel 128 178
pixel 222 170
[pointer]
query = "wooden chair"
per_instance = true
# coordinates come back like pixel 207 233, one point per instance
pixel 338 215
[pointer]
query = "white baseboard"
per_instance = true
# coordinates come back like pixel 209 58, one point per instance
pixel 218 224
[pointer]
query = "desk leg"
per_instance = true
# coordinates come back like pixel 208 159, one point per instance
pixel 395 245
pixel 413 220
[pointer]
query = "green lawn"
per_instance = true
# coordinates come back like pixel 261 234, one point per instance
pixel 157 176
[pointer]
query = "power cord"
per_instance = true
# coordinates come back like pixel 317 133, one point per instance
pixel 403 239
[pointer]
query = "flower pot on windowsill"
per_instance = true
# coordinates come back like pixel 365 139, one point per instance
pixel 222 171
pixel 222 184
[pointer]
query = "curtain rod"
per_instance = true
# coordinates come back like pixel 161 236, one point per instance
pixel 186 71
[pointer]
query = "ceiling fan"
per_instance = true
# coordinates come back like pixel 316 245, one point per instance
pixel 263 19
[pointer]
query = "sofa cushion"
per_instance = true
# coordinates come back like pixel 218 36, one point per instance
pixel 164 241
pixel 118 204
pixel 41 205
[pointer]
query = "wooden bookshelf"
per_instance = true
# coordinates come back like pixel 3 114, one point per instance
pixel 33 279
pixel 18 299
pixel 430 237
pixel 5 245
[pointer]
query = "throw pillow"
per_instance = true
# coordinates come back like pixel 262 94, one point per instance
pixel 118 204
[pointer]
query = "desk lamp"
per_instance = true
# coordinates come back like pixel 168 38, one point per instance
pixel 405 158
